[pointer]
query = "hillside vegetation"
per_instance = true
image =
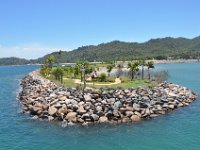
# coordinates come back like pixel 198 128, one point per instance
pixel 161 48
pixel 117 50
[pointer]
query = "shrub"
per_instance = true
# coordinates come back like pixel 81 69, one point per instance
pixel 58 73
pixel 102 77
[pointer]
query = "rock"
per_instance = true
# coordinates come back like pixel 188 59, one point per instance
pixel 52 95
pixel 103 119
pixel 180 105
pixel 129 113
pixel 126 119
pixel 70 124
pixel 63 98
pixel 71 116
pixel 135 118
pixel 52 110
pixel 80 120
pixel 81 110
pixel 57 105
pixel 109 114
pixel 136 107
pixel 35 117
pixel 63 109
pixel 87 97
pixel 171 106
pixel 111 100
pixel 122 110
pixel 116 114
pixel 99 108
pixel 50 118
pixel 36 109
pixel 143 105
pixel 85 116
pixel 116 105
pixel 95 117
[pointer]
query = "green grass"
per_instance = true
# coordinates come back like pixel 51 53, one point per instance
pixel 127 84
pixel 124 85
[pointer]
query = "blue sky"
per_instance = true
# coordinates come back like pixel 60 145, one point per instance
pixel 33 28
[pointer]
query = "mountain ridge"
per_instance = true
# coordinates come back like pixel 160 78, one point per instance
pixel 159 48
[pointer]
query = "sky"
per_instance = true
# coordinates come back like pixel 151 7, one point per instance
pixel 32 28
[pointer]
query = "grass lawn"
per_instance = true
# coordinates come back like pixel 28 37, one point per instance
pixel 127 84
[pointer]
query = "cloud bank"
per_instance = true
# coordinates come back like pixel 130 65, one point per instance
pixel 28 51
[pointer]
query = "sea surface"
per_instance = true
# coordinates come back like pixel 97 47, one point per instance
pixel 178 130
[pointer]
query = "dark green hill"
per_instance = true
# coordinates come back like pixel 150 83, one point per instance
pixel 13 61
pixel 116 50
pixel 160 48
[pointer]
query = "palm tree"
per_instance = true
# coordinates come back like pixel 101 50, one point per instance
pixel 150 65
pixel 82 65
pixel 109 69
pixel 133 68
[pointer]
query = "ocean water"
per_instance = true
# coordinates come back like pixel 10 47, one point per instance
pixel 179 130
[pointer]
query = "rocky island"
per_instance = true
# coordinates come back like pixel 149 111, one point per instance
pixel 43 99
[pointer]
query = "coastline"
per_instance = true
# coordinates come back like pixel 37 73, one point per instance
pixel 155 61
pixel 175 61
pixel 43 99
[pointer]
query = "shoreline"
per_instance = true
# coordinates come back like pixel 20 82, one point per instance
pixel 44 100
pixel 155 61
pixel 175 61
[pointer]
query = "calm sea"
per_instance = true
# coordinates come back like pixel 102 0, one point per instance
pixel 179 130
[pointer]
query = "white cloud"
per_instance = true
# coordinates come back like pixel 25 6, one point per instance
pixel 29 51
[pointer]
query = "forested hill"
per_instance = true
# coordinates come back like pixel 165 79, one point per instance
pixel 117 50
pixel 161 48
pixel 13 61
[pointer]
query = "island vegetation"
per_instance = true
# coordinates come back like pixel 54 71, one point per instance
pixel 111 75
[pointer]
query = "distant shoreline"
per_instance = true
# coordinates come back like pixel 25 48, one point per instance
pixel 175 61
pixel 155 61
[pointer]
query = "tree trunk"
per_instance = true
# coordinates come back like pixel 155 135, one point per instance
pixel 81 76
pixel 149 74
pixel 142 72
pixel 132 75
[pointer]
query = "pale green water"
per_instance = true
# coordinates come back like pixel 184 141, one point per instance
pixel 179 130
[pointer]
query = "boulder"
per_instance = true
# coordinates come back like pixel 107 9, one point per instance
pixel 126 119
pixel 63 109
pixel 63 98
pixel 52 110
pixel 129 113
pixel 81 110
pixel 135 118
pixel 103 119
pixel 95 117
pixel 71 116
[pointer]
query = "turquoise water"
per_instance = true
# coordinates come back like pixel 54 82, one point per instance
pixel 178 130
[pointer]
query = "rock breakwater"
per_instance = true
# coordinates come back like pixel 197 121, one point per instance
pixel 45 100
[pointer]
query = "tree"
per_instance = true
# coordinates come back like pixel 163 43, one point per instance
pixel 142 64
pixel 76 71
pixel 58 74
pixel 50 61
pixel 150 65
pixel 109 69
pixel 133 68
pixel 82 65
